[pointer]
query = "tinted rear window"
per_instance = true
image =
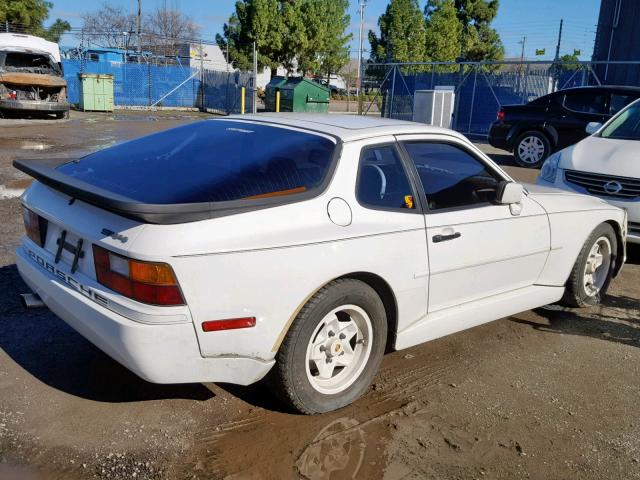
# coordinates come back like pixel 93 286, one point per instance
pixel 209 161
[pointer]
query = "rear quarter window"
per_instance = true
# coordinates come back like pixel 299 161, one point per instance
pixel 210 161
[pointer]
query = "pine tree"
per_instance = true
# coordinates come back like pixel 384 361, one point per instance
pixel 402 33
pixel 479 41
pixel 443 34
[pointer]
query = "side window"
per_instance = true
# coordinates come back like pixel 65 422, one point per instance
pixel 452 177
pixel 585 102
pixel 382 180
pixel 619 101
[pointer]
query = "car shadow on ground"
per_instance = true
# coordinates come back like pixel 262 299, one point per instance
pixel 616 320
pixel 258 395
pixel 51 351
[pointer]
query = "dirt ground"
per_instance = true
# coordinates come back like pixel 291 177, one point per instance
pixel 547 394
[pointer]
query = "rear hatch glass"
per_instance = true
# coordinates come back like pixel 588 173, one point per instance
pixel 209 161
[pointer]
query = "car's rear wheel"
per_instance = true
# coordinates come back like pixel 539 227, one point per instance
pixel 531 149
pixel 333 348
pixel 592 272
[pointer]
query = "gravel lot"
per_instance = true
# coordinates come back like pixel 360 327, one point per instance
pixel 544 394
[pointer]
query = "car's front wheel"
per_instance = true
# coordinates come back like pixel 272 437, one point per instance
pixel 592 272
pixel 333 348
pixel 531 149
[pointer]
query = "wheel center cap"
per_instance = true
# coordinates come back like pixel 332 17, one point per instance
pixel 336 348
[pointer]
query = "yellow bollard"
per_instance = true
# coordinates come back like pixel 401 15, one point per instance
pixel 242 93
pixel 277 100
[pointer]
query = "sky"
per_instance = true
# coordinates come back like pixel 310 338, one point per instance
pixel 537 20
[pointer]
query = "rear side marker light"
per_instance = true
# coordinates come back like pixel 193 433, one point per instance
pixel 228 324
pixel 35 226
pixel 146 282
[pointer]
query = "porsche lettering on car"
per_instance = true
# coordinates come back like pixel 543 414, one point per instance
pixel 300 248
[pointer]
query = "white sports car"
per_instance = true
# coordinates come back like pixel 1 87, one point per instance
pixel 604 164
pixel 301 246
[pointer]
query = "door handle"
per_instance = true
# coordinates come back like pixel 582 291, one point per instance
pixel 444 238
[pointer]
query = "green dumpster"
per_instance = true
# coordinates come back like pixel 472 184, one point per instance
pixel 303 95
pixel 96 92
pixel 270 93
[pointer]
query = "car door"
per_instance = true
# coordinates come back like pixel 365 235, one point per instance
pixel 476 248
pixel 575 110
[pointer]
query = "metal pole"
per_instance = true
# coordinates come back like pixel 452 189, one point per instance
pixel 473 98
pixel 359 81
pixel 255 78
pixel 242 93
pixel 526 86
pixel 393 90
pixel 202 100
pixel 557 57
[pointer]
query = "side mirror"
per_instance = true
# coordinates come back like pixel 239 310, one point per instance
pixel 509 193
pixel 592 127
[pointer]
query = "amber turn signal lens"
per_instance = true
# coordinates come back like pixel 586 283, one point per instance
pixel 151 273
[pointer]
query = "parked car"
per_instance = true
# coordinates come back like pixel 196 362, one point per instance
pixel 31 79
pixel 605 164
pixel 300 245
pixel 552 122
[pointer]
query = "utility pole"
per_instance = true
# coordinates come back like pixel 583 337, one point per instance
pixel 361 5
pixel 557 57
pixel 138 21
pixel 523 42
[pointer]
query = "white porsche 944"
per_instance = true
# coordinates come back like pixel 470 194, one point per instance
pixel 300 246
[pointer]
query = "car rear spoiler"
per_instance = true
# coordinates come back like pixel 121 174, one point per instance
pixel 163 214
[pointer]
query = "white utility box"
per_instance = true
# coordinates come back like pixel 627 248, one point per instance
pixel 434 107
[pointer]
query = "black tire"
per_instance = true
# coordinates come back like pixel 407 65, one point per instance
pixel 288 378
pixel 521 157
pixel 576 294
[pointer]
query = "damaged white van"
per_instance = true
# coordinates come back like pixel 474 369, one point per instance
pixel 31 78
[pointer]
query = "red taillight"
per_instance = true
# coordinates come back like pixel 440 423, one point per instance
pixel 146 282
pixel 228 324
pixel 35 226
pixel 13 95
pixel 501 115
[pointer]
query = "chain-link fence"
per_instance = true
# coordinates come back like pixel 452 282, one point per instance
pixel 167 72
pixel 148 85
pixel 482 88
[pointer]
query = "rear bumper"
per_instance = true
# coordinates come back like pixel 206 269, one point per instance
pixel 166 353
pixel 499 136
pixel 34 106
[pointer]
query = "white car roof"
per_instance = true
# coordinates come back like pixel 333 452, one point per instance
pixel 28 43
pixel 346 127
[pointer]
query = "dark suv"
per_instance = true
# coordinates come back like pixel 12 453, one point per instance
pixel 555 121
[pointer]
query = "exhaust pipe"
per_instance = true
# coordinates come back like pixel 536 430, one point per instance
pixel 31 300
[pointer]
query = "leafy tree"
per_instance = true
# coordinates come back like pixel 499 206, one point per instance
pixel 479 41
pixel 307 34
pixel 443 34
pixel 569 63
pixel 402 33
pixel 333 49
pixel 258 21
pixel 29 16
